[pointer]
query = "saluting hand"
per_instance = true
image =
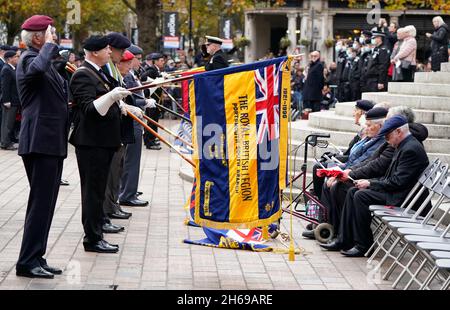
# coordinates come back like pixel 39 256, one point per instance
pixel 49 35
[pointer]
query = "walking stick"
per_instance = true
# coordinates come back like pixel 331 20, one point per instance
pixel 168 131
pixel 160 138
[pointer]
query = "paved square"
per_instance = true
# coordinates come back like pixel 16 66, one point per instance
pixel 152 254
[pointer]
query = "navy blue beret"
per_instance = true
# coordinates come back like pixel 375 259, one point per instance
pixel 10 54
pixel 376 113
pixel 5 47
pixel 135 50
pixel 154 56
pixel 95 43
pixel 118 40
pixel 392 123
pixel 364 105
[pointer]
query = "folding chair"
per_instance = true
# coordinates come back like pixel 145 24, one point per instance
pixel 429 178
pixel 408 203
pixel 415 236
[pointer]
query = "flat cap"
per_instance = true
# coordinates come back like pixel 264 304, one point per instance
pixel 37 23
pixel 5 47
pixel 376 113
pixel 135 50
pixel 392 123
pixel 118 40
pixel 216 40
pixel 378 34
pixel 95 43
pixel 154 56
pixel 364 105
pixel 10 54
pixel 127 56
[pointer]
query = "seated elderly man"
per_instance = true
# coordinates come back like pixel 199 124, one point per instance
pixel 409 161
pixel 361 108
pixel 361 152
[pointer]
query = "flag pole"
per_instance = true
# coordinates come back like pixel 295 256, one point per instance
pixel 168 131
pixel 160 138
pixel 152 85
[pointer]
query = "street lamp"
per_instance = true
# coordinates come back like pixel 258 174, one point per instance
pixel 190 24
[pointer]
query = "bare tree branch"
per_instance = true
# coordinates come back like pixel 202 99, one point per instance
pixel 128 4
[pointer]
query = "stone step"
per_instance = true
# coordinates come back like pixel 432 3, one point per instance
pixel 419 89
pixel 413 101
pixel 329 120
pixel 341 139
pixel 432 77
pixel 445 67
pixel 422 116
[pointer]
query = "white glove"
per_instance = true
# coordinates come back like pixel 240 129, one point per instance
pixel 155 81
pixel 125 108
pixel 150 103
pixel 103 103
pixel 165 75
pixel 7 105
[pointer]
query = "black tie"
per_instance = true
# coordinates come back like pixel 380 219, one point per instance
pixel 103 75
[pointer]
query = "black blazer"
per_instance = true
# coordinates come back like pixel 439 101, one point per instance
pixel 218 61
pixel 44 99
pixel 376 165
pixel 9 86
pixel 408 163
pixel 90 128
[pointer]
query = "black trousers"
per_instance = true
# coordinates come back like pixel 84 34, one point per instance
pixel 44 175
pixel 154 114
pixel 333 199
pixel 94 164
pixel 314 105
pixel 111 203
pixel 354 229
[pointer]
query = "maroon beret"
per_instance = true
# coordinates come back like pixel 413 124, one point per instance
pixel 37 23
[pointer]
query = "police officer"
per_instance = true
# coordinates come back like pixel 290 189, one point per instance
pixel 214 49
pixel 43 140
pixel 341 61
pixel 378 65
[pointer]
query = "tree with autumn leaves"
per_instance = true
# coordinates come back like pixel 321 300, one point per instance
pixel 109 15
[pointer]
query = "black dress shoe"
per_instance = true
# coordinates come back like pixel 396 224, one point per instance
pixel 36 272
pixel 135 203
pixel 139 193
pixel 64 183
pixel 153 146
pixel 100 247
pixel 308 234
pixel 109 228
pixel 119 215
pixel 52 270
pixel 354 252
pixel 332 246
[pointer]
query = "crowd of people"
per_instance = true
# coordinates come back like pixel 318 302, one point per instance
pixel 85 102
pixel 380 55
pixel 381 165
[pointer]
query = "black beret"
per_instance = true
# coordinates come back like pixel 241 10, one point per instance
pixel 14 48
pixel 10 54
pixel 364 105
pixel 367 33
pixel 118 40
pixel 95 43
pixel 5 47
pixel 376 113
pixel 135 50
pixel 154 56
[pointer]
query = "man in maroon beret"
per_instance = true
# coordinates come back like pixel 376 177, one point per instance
pixel 43 140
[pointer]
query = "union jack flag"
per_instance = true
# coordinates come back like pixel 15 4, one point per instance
pixel 267 81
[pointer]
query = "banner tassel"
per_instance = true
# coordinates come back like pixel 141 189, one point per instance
pixel 265 232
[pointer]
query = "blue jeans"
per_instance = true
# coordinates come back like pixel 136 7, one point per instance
pixel 297 98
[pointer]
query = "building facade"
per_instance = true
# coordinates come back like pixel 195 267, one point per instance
pixel 312 24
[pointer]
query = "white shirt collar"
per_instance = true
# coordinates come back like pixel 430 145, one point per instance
pixel 97 67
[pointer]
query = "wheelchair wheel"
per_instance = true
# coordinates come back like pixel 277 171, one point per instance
pixel 324 232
